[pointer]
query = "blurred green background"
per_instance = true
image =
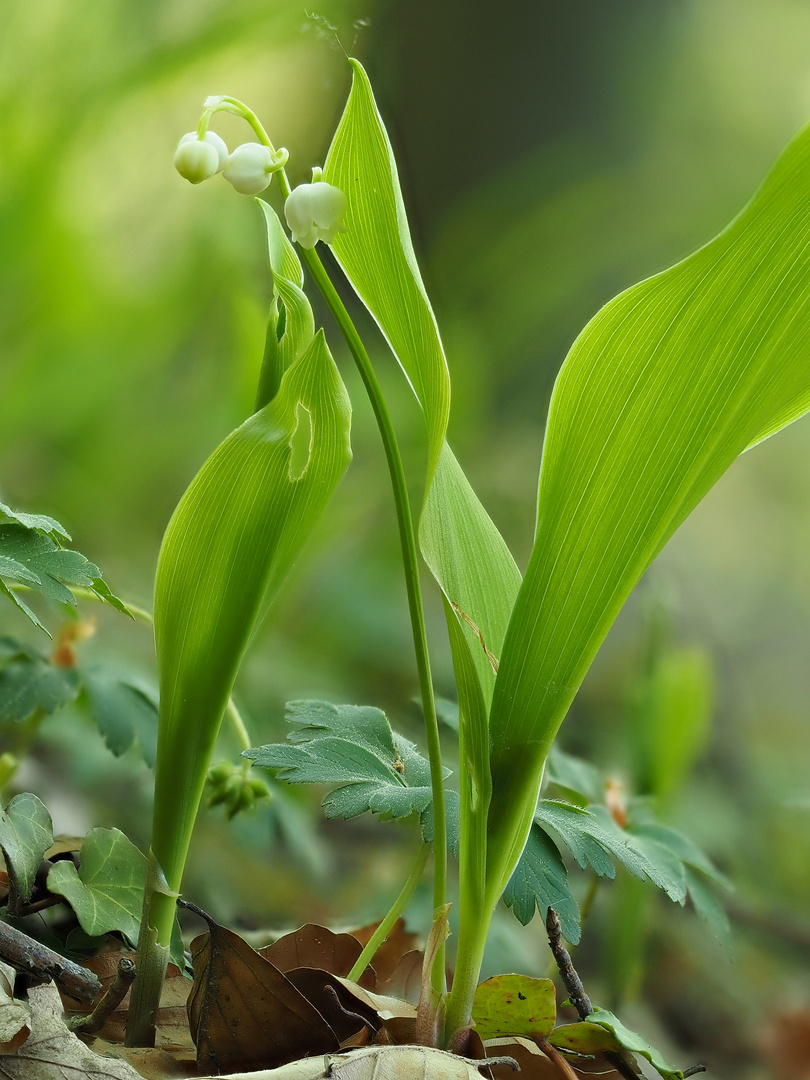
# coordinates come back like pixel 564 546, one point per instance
pixel 551 154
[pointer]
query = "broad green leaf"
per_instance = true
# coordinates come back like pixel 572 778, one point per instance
pixel 514 1005
pixel 354 749
pixel 29 681
pixel 540 881
pixel 106 892
pixel 229 545
pixel 377 256
pixel 634 1043
pixel 660 393
pixel 124 711
pixel 26 834
pixel 462 547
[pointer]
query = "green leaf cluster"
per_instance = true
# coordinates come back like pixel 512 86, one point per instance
pixel 354 750
pixel 32 555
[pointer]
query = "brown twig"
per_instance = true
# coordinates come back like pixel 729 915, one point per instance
pixel 576 991
pixel 695 1069
pixel 31 958
pixel 554 1055
pixel 115 994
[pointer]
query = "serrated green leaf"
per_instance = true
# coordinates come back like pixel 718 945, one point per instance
pixel 106 892
pixel 26 833
pixel 15 571
pixel 680 845
pixel 634 1043
pixel 354 748
pixel 21 605
pixel 579 831
pixel 540 881
pixel 28 681
pixel 660 393
pixel 54 567
pixel 229 545
pixel 707 906
pixel 124 712
pixel 644 857
pixel 514 1005
pixel 40 522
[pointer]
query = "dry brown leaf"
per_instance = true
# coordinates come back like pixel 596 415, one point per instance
pixel 244 1013
pixel 15 1016
pixel 390 955
pixel 153 1063
pixel 51 1052
pixel 314 946
pixel 172 1017
pixel 404 980
pixel 534 1065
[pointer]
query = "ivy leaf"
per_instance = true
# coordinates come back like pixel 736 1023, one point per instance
pixel 106 892
pixel 26 833
pixel 125 712
pixel 634 1043
pixel 29 681
pixel 354 748
pixel 540 881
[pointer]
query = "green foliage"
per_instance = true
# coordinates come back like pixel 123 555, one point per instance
pixel 29 682
pixel 354 750
pixel 634 1043
pixel 31 554
pixel 26 834
pixel 540 881
pixel 124 710
pixel 664 388
pixel 106 892
pixel 514 1005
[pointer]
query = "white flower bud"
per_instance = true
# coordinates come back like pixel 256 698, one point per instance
pixel 314 212
pixel 250 168
pixel 200 159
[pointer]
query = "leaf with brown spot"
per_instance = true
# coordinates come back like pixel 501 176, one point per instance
pixel 314 946
pixel 584 1038
pixel 534 1065
pixel 514 1005
pixel 244 1013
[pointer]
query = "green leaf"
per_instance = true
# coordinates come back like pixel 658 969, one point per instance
pixel 125 712
pixel 659 394
pixel 106 892
pixel 584 1038
pixel 462 547
pixel 377 256
pixel 514 1005
pixel 292 326
pixel 228 547
pixel 39 522
pixel 29 681
pixel 707 906
pixel 26 833
pixel 576 777
pixel 540 881
pixel 634 1043
pixel 353 748
pixel 645 856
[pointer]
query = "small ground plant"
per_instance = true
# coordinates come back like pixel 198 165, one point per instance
pixel 666 386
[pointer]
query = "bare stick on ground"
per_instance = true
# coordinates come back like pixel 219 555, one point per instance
pixel 41 963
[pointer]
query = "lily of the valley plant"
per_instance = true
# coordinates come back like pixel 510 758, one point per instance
pixel 659 394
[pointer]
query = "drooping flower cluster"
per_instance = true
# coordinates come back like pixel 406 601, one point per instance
pixel 249 168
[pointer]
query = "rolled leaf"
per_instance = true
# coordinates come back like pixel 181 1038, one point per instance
pixel 661 392
pixel 229 544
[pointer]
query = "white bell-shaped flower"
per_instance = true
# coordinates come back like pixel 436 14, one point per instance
pixel 250 167
pixel 314 212
pixel 200 159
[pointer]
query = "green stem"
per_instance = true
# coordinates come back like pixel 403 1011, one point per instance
pixel 238 725
pixel 384 929
pixel 411 569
